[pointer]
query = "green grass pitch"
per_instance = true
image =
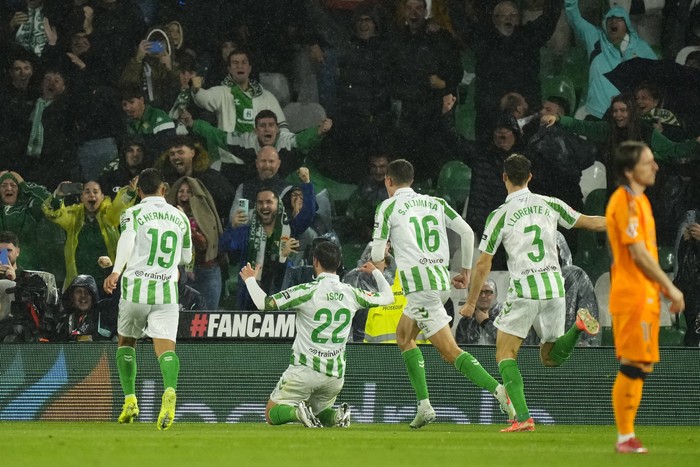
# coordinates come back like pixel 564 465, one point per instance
pixel 57 444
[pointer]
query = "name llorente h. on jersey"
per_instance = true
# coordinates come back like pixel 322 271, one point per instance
pixel 161 233
pixel 526 224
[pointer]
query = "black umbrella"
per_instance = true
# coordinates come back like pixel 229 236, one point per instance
pixel 665 74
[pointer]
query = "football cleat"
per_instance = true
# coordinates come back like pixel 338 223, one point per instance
pixel 167 409
pixel 527 425
pixel 586 322
pixel 631 446
pixel 130 410
pixel 424 415
pixel 506 406
pixel 306 416
pixel 342 416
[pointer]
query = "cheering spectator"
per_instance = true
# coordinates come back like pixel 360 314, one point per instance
pixel 92 226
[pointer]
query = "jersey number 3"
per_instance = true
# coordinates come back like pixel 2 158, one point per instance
pixel 536 242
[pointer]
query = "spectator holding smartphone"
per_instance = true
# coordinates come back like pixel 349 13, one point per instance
pixel 92 226
pixel 9 252
pixel 687 275
pixel 151 68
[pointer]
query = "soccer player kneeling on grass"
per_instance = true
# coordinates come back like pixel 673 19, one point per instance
pixel 308 388
pixel 155 239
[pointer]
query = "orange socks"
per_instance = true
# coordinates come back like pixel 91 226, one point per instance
pixel 626 397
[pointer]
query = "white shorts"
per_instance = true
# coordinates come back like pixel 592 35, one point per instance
pixel 301 383
pixel 426 309
pixel 518 315
pixel 156 321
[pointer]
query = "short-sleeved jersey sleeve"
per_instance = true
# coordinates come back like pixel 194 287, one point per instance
pixel 625 211
pixel 566 215
pixel 493 232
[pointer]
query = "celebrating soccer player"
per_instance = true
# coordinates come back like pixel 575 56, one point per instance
pixel 416 225
pixel 155 239
pixel 526 225
pixel 308 388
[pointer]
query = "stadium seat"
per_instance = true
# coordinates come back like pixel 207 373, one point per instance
pixel 592 253
pixel 302 116
pixel 454 183
pixel 593 178
pixel 278 85
pixel 575 67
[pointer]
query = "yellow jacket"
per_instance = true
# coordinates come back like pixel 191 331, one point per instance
pixel 380 327
pixel 71 219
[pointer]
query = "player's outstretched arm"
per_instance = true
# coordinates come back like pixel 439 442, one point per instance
pixel 594 223
pixel 384 296
pixel 258 295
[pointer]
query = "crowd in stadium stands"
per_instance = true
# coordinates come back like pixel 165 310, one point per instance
pixel 236 102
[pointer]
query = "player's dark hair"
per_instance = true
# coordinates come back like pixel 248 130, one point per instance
pixel 8 236
pixel 400 171
pixel 150 181
pixel 265 113
pixel 328 255
pixel 517 169
pixel 627 155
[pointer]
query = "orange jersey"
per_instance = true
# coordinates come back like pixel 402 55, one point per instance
pixel 629 220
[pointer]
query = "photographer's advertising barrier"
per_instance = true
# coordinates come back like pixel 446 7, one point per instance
pixel 228 382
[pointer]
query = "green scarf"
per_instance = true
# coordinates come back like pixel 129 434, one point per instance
pixel 257 239
pixel 31 35
pixel 243 100
pixel 36 136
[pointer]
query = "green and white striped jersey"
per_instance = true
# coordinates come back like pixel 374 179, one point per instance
pixel 162 233
pixel 526 224
pixel 325 308
pixel 416 226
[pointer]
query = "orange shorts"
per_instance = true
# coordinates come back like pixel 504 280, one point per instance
pixel 636 335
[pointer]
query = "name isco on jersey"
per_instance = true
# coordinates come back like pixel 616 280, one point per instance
pixel 161 216
pixel 153 275
pixel 324 354
pixel 418 202
pixel 528 211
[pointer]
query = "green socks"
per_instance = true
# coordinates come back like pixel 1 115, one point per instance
pixel 126 366
pixel 513 382
pixel 562 348
pixel 170 368
pixel 327 417
pixel 472 369
pixel 415 365
pixel 281 414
